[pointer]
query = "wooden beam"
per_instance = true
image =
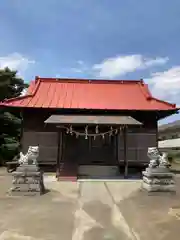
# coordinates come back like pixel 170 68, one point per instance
pixel 125 152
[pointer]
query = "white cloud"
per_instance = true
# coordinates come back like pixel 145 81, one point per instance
pixel 121 65
pixel 24 92
pixel 81 67
pixel 80 62
pixel 166 85
pixel 77 70
pixel 16 61
pixel 156 61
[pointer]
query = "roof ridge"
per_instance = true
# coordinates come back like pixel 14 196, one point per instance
pixel 85 80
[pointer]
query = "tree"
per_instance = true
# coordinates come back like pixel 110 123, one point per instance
pixel 10 119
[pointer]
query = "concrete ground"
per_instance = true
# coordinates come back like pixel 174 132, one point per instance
pixel 89 211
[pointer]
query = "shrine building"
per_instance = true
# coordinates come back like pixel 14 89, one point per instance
pixel 90 128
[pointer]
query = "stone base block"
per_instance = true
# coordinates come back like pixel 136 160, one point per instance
pixel 27 168
pixel 25 189
pixel 158 179
pixel 27 181
pixel 17 192
pixel 158 187
pixel 158 172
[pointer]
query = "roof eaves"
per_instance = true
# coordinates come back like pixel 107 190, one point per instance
pixel 145 90
pixel 172 105
pixel 16 98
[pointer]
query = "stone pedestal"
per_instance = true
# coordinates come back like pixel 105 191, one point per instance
pixel 27 180
pixel 158 179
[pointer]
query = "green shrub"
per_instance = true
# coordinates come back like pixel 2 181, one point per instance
pixel 10 119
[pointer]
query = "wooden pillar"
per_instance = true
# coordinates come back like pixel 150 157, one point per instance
pixel 157 134
pixel 117 145
pixel 125 152
pixel 59 151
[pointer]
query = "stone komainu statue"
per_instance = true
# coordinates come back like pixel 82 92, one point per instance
pixel 28 178
pixel 157 159
pixel 158 177
pixel 30 157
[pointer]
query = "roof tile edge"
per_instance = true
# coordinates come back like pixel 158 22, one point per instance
pixel 173 105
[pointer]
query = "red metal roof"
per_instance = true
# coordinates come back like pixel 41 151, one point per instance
pixel 89 94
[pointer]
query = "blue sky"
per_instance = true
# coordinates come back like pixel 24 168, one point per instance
pixel 94 39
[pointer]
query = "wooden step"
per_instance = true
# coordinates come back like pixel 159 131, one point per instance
pixel 67 178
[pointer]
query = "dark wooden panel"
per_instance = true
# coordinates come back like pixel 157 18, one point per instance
pixel 29 139
pixel 142 155
pixel 47 138
pixel 132 140
pixel 146 140
pixel 132 154
pixel 137 145
pixel 47 153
